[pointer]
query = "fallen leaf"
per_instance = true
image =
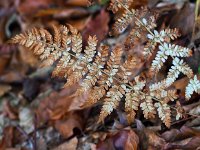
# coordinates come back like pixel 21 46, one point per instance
pixel 184 132
pixel 9 111
pixel 11 77
pixel 7 140
pixel 69 145
pixel 186 144
pixel 66 126
pixel 4 89
pixel 58 104
pixel 97 26
pixel 29 7
pixel 181 22
pixel 4 60
pixel 125 139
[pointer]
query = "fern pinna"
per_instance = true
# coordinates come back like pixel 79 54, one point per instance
pixel 104 75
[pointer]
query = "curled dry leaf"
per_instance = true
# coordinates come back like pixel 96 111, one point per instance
pixel 125 139
pixel 184 132
pixel 186 144
pixel 195 110
pixel 66 126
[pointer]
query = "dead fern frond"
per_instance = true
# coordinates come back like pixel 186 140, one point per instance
pixel 148 107
pixel 164 113
pixel 116 5
pixel 103 74
pixel 123 22
pixel 193 86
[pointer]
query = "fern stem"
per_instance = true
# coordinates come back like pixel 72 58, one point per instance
pixel 141 23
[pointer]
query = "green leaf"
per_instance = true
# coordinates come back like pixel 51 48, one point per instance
pixel 199 70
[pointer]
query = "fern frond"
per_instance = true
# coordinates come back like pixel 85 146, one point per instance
pixel 164 113
pixel 107 78
pixel 125 70
pixel 167 96
pixel 132 102
pixel 179 66
pixel 166 50
pixel 116 5
pixel 94 71
pixel 133 99
pixel 165 35
pixel 103 73
pixel 82 65
pixel 159 60
pixel 148 108
pixel 193 86
pixel 111 102
pixel 122 23
pixel 158 86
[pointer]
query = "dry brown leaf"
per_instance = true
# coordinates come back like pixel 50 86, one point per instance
pixel 186 144
pixel 26 57
pixel 11 76
pixel 154 141
pixel 60 13
pixel 132 141
pixel 77 2
pixel 7 140
pixel 181 22
pixel 66 126
pixel 4 89
pixel 138 4
pixel 55 106
pixel 184 132
pixel 80 24
pixel 69 145
pixel 125 139
pixel 4 60
pixel 97 26
pixel 32 6
pixel 9 111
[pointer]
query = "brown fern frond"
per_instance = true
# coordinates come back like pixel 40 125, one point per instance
pixel 111 102
pixel 106 79
pixel 132 102
pixel 103 73
pixel 116 5
pixel 158 86
pixel 82 66
pixel 122 23
pixel 126 69
pixel 148 107
pixel 94 73
pixel 164 113
pixel 167 96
